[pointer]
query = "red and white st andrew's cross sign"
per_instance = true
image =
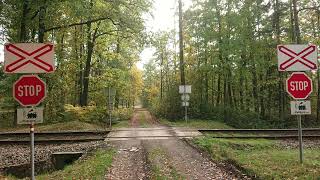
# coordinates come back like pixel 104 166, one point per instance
pixel 28 58
pixel 299 85
pixel 29 90
pixel 297 57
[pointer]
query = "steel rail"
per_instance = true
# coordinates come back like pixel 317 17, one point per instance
pixel 268 137
pixel 53 137
pixel 25 141
pixel 53 133
pixel 313 130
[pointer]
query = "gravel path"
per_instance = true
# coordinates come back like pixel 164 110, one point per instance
pixel 170 158
pixel 187 161
pixel 130 162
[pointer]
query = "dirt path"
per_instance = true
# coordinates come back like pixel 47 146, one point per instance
pixel 156 152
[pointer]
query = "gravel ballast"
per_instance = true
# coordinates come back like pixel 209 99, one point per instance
pixel 15 155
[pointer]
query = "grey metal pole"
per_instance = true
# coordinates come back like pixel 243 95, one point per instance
pixel 185 111
pixel 32 150
pixel 110 124
pixel 300 139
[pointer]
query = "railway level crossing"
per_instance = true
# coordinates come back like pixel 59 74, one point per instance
pixel 298 58
pixel 29 90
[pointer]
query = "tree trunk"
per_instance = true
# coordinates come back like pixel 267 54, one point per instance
pixel 229 76
pixel 296 22
pixel 241 81
pixel 161 76
pixel 42 28
pixel 90 45
pixel 261 98
pixel 219 90
pixel 182 75
pixel 318 75
pixel 80 75
pixel 25 11
pixel 281 98
pixel 87 74
pixel 206 81
pixel 255 89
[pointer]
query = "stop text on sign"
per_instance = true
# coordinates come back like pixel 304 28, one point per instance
pixel 299 85
pixel 29 90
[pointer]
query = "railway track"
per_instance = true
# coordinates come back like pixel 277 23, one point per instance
pixel 53 137
pixel 309 133
pixel 85 136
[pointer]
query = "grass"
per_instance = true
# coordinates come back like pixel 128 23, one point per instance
pixel 196 123
pixel 94 167
pixel 263 158
pixel 142 120
pixel 121 124
pixel 65 126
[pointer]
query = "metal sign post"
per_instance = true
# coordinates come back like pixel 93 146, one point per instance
pixel 298 57
pixel 299 108
pixel 29 90
pixel 299 86
pixel 186 113
pixel 32 150
pixel 300 139
pixel 111 92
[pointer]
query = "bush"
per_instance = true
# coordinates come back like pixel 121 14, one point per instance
pixel 122 114
pixel 95 114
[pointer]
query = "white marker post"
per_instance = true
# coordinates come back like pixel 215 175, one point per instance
pixel 185 90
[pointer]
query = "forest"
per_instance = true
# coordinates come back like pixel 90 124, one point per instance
pixel 97 44
pixel 230 59
pixel 228 56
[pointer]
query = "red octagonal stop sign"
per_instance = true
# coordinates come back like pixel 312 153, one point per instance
pixel 29 90
pixel 299 85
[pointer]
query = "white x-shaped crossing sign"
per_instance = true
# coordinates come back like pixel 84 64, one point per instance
pixel 297 57
pixel 29 58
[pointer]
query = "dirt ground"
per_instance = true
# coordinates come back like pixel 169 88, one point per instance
pixel 158 153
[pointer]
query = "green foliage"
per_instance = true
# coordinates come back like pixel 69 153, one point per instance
pixel 230 61
pixel 92 167
pixel 123 114
pixel 95 114
pixel 112 30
